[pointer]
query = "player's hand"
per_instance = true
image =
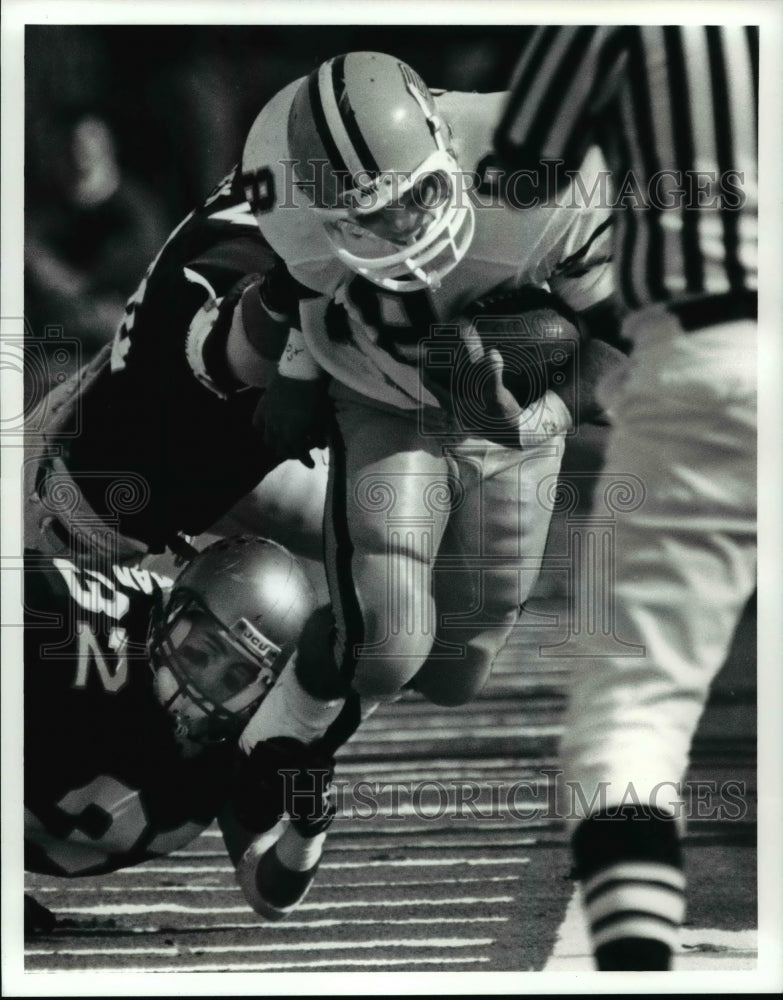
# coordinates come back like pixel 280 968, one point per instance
pixel 294 415
pixel 279 776
pixel 598 363
pixel 494 402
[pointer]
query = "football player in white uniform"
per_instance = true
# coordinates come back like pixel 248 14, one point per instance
pixel 446 431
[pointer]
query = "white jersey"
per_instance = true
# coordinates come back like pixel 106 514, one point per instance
pixel 375 349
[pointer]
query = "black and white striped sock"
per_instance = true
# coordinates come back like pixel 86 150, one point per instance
pixel 633 887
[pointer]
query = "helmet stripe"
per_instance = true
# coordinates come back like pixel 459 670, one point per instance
pixel 348 116
pixel 322 127
pixel 339 138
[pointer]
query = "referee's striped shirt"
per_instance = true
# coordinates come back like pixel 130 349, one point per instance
pixel 675 111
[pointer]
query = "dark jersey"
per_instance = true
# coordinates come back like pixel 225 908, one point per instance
pixel 150 416
pixel 105 782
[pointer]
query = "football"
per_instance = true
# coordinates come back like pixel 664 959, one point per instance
pixel 537 337
pixel 535 333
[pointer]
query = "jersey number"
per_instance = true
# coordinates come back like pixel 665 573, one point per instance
pixel 398 320
pixel 109 819
pixel 91 652
pixel 260 189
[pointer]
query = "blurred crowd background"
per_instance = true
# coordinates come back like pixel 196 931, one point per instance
pixel 129 127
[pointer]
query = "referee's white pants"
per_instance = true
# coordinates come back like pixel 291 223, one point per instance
pixel 685 424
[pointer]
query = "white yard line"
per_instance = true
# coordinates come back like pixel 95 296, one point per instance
pixel 155 869
pixel 107 909
pixel 291 946
pixel 336 843
pixel 319 924
pixel 380 884
pixel 480 732
pixel 296 966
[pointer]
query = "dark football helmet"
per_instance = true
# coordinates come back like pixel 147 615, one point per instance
pixel 220 640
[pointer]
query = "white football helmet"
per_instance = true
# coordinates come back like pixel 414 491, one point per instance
pixel 372 156
pixel 219 642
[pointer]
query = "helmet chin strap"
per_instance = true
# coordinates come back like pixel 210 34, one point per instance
pixel 165 681
pixel 434 120
pixel 181 727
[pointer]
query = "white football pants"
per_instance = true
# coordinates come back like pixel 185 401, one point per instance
pixel 684 568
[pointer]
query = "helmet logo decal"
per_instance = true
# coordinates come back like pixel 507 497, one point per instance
pixel 413 79
pixel 216 645
pixel 256 642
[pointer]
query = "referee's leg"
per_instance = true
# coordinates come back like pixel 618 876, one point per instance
pixel 684 569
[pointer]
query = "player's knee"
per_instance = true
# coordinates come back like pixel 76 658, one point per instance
pixel 449 684
pixel 383 668
pixel 397 554
pixel 326 670
pixel 383 680
pixel 457 680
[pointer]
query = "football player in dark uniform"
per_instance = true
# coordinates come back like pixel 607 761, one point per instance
pixel 124 763
pixel 151 442
pixel 154 438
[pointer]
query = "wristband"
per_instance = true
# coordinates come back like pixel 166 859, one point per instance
pixel 205 345
pixel 296 361
pixel 256 322
pixel 544 419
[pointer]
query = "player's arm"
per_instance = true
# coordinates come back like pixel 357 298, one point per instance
pixel 581 275
pixel 534 365
pixel 601 355
pixel 575 320
pixel 237 837
pixel 563 77
pixel 277 798
pixel 248 336
pixel 603 321
pixel 294 410
pixel 598 360
pixel 264 347
pixel 262 318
